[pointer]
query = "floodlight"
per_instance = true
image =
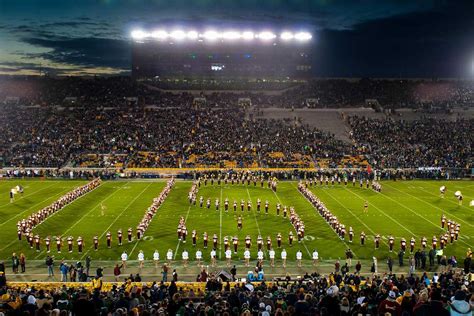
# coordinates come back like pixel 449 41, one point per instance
pixel 266 35
pixel 192 35
pixel 303 36
pixel 211 35
pixel 286 36
pixel 159 34
pixel 139 34
pixel 247 35
pixel 231 35
pixel 178 35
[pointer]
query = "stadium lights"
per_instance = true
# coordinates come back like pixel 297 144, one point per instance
pixel 212 35
pixel 266 36
pixel 139 34
pixel 286 36
pixel 192 35
pixel 178 35
pixel 160 34
pixel 247 35
pixel 231 35
pixel 303 36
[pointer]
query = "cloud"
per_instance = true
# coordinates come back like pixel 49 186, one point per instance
pixel 90 52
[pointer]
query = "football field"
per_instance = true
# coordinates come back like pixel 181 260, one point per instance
pixel 403 209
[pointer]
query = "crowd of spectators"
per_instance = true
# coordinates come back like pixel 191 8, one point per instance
pixel 117 122
pixel 425 142
pixel 446 293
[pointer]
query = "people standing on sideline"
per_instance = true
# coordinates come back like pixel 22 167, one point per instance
pixel 23 263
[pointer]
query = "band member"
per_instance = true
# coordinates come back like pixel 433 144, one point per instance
pixel 214 240
pixel 239 223
pixel 156 258
pixel 443 221
pixel 184 233
pixel 217 204
pixel 442 190
pixel 259 242
pixel 19 233
pixel 213 257
pixel 391 241
pixel 96 243
pixel 194 236
pixel 452 235
pixel 279 240
pixel 259 202
pixel 366 206
pixel 119 236
pixel 235 241
pixel 37 242
pixel 278 207
pixel 249 205
pixel 235 206
pixel 351 234
pixel 377 241
pixel 109 239
pixel 139 232
pixel 208 203
pixel 403 244
pixel 30 240
pixel 266 207
pixel 228 256
pixel 290 239
pixel 434 242
pixel 412 244
pixel 129 233
pixel 271 254
pixel 69 243
pixel 362 238
pixel 283 257
pixel 441 242
pixel 242 205
pixel 424 242
pixel 80 244
pixel 205 239
pixel 353 181
pixel 247 257
pixel 248 242
pixel 47 242
pixel 226 204
pixel 226 243
pixel 269 243
pixel 201 201
pixel 58 243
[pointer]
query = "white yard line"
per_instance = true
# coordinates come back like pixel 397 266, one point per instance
pixel 381 211
pixel 116 218
pixel 24 196
pixel 304 244
pixel 428 203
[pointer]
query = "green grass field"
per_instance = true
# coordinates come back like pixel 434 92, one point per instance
pixel 403 209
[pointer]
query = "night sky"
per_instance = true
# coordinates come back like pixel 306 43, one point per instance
pixel 398 38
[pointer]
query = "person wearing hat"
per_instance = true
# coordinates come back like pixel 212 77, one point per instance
pixel 389 305
pixel 433 306
pixel 459 306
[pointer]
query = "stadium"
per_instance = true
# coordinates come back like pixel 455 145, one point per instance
pixel 222 176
